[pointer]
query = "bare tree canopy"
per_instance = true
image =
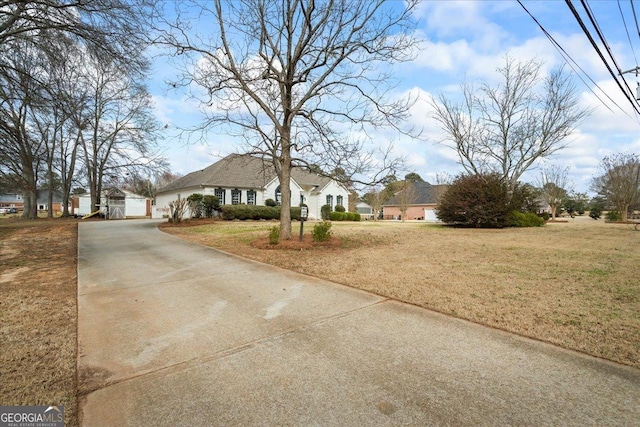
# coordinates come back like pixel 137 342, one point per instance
pixel 554 187
pixel 619 183
pixel 114 27
pixel 507 128
pixel 295 77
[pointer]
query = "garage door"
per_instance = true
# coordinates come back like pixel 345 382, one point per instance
pixel 430 215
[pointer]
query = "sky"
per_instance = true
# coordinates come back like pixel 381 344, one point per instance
pixel 467 41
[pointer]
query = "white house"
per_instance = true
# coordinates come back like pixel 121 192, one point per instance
pixel 115 203
pixel 242 179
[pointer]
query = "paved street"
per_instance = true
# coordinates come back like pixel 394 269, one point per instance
pixel 174 334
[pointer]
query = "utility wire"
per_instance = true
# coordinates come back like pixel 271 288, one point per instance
pixel 573 64
pixel 635 17
pixel 595 24
pixel 627 31
pixel 599 52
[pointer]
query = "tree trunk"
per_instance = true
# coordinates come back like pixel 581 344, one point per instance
pixel 50 194
pixel 29 188
pixel 623 213
pixel 285 196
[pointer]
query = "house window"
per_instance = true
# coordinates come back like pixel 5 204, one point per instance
pixel 251 197
pixel 42 208
pixel 278 196
pixel 330 201
pixel 219 193
pixel 301 199
pixel 339 200
pixel 236 197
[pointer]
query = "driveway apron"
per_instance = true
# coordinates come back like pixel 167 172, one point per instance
pixel 175 334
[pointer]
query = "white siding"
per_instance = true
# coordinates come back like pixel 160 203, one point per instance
pixel 313 199
pixel 331 189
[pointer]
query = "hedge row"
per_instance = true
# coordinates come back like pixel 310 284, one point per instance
pixel 255 212
pixel 344 216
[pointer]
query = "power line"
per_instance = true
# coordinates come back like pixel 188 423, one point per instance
pixel 635 17
pixel 595 24
pixel 627 31
pixel 573 64
pixel 599 52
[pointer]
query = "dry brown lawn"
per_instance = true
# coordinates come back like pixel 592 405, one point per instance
pixel 38 314
pixel 575 284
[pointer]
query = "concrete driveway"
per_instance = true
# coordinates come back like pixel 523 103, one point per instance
pixel 174 334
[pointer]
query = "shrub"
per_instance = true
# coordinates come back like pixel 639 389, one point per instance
pixel 296 213
pixel 270 202
pixel 595 212
pixel 339 208
pixel 476 201
pixel 321 231
pixel 356 216
pixel 349 216
pixel 244 212
pixel 210 204
pixel 526 219
pixel 274 235
pixel 545 216
pixel 195 205
pixel 325 211
pixel 337 216
pixel 613 216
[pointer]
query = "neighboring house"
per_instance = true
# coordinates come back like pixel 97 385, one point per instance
pixel 243 179
pixel 11 199
pixel 421 208
pixel 16 200
pixel 115 203
pixel 42 200
pixel 365 210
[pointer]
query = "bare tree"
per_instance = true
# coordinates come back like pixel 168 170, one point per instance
pixel 406 197
pixel 375 197
pixel 506 129
pixel 619 183
pixel 112 27
pixel 21 95
pixel 554 187
pixel 294 77
pixel 120 131
pixel 443 181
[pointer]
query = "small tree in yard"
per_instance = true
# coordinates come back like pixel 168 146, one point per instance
pixel 178 208
pixel 406 197
pixel 619 183
pixel 375 198
pixel 554 183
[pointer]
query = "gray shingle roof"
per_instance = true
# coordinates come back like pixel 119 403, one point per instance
pixel 426 194
pixel 241 171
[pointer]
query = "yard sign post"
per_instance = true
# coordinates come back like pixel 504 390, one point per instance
pixel 304 211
